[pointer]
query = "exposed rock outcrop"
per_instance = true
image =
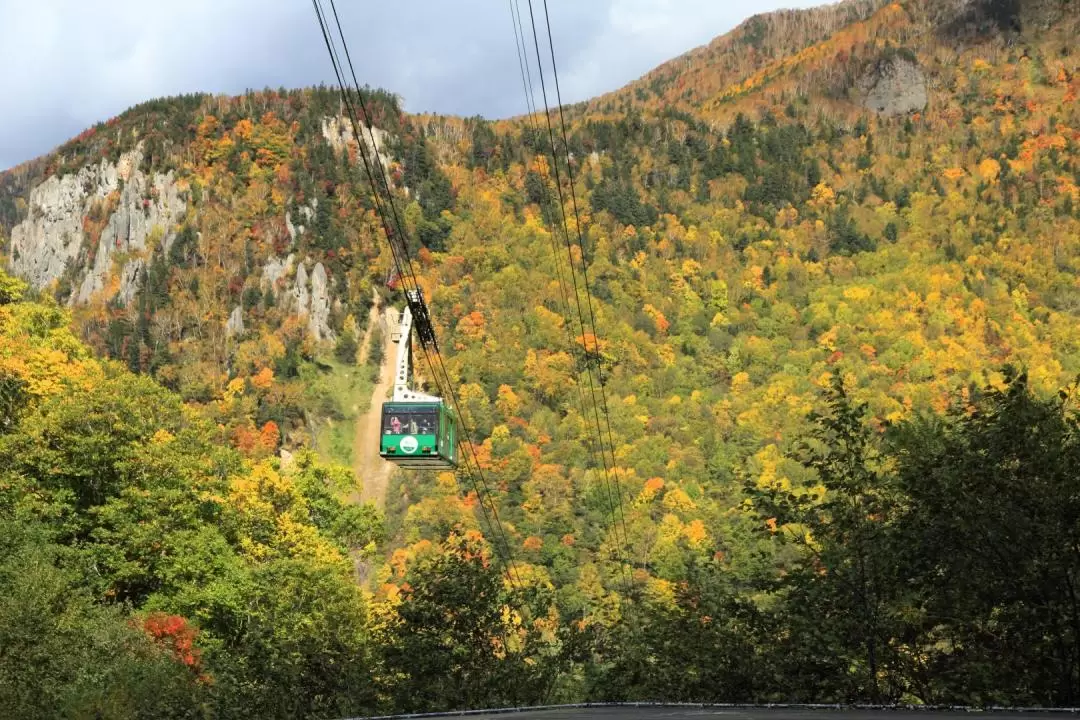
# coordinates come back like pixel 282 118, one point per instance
pixel 338 132
pixel 148 211
pixel 296 228
pixel 274 270
pixel 130 281
pixel 300 298
pixel 319 311
pixel 144 212
pixel 235 324
pixel 894 86
pixel 309 296
pixel 290 228
pixel 51 235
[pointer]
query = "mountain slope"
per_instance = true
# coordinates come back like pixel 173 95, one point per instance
pixel 880 195
pixel 689 80
pixel 837 52
pixel 218 240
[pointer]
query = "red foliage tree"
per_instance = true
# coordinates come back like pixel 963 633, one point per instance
pixel 176 635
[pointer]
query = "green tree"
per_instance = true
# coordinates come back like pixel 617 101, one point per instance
pixel 702 644
pixel 346 347
pixel 63 655
pixel 444 647
pixel 991 522
pixel 838 597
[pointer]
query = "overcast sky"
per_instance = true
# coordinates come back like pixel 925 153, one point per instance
pixel 70 63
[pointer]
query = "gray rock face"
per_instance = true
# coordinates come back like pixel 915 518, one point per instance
pixel 130 280
pixel 310 297
pixel 296 229
pixel 274 270
pixel 301 299
pixel 894 87
pixel 338 132
pixel 290 227
pixel 235 324
pixel 136 220
pixel 51 236
pixel 319 312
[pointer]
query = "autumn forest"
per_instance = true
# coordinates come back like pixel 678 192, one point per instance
pixel 833 266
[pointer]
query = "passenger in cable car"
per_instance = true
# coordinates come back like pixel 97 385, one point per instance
pixel 395 425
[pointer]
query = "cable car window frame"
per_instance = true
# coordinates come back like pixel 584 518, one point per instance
pixel 405 417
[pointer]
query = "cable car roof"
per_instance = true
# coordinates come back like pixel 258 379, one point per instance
pixel 405 405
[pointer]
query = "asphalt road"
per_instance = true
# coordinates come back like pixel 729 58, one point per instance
pixel 722 713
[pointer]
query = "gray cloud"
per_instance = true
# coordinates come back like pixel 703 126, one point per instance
pixel 71 63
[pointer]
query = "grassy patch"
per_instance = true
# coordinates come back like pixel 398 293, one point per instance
pixel 335 441
pixel 337 394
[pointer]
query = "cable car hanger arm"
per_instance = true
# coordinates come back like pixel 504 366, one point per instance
pixel 421 318
pixel 402 393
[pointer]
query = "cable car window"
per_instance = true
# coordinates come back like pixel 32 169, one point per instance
pixel 409 423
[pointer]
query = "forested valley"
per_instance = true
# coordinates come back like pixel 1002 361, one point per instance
pixel 837 342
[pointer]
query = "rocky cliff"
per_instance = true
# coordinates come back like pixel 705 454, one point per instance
pixel 57 236
pixel 894 86
pixel 90 235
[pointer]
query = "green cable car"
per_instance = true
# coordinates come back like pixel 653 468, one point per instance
pixel 418 435
pixel 418 431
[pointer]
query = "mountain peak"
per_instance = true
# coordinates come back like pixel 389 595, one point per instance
pixel 851 55
pixel 706 70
